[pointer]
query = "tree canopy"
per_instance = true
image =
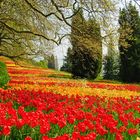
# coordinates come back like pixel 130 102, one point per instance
pixel 32 27
pixel 129 44
pixel 29 27
pixel 22 29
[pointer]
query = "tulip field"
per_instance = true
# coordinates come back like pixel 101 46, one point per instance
pixel 42 104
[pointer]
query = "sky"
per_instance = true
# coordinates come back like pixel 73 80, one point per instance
pixel 61 51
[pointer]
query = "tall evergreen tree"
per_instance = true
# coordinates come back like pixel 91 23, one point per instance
pixel 111 66
pixel 87 47
pixel 67 65
pixel 129 44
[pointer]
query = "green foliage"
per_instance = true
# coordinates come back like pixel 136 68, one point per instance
pixel 111 67
pixel 67 65
pixel 41 63
pixel 57 131
pixel 4 77
pixel 26 27
pixel 86 54
pixel 129 44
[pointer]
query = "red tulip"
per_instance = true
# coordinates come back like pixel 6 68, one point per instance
pixel 132 131
pixel 28 138
pixel 119 136
pixel 6 130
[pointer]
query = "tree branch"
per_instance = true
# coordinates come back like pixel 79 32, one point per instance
pixel 35 9
pixel 136 2
pixel 29 32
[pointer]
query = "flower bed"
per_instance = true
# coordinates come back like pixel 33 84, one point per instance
pixel 39 107
pixel 41 115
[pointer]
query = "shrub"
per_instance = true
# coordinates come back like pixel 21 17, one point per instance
pixel 4 77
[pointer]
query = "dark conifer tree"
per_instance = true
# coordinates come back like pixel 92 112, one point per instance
pixel 86 47
pixel 67 65
pixel 129 44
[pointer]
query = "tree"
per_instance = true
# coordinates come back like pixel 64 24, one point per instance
pixel 111 68
pixel 51 62
pixel 67 65
pixel 87 47
pixel 25 29
pixel 27 24
pixel 129 44
pixel 111 61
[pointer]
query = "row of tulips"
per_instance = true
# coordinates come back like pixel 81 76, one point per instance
pixel 23 76
pixel 42 115
pixel 27 71
pixel 19 80
pixel 81 91
pixel 67 86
